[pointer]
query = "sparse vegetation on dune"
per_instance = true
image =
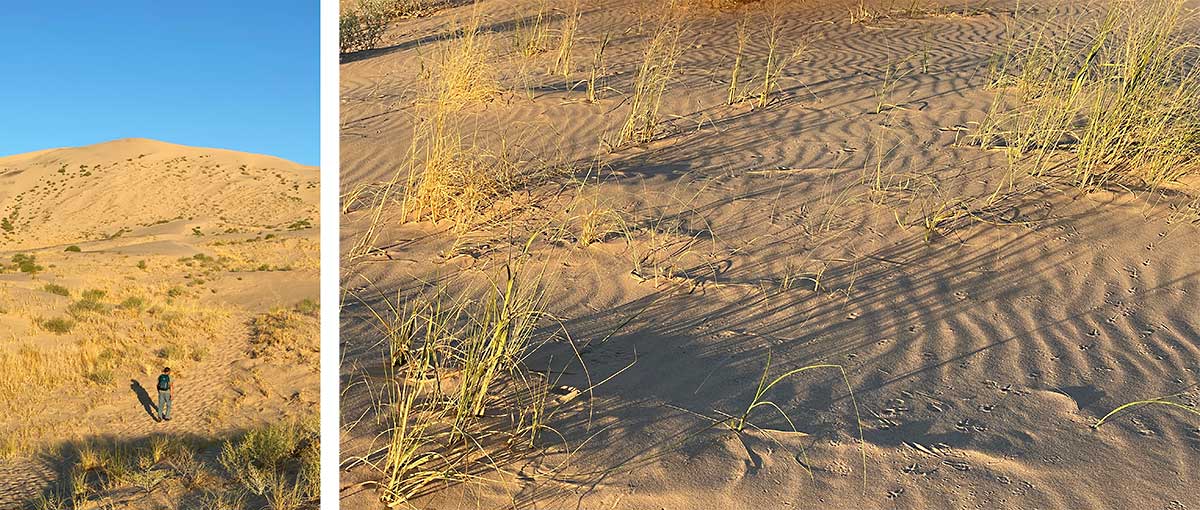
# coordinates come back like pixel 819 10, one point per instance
pixel 1123 102
pixel 448 360
pixel 284 333
pixel 273 466
pixel 776 233
pixel 86 330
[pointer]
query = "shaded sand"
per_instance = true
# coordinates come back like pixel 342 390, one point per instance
pixel 189 246
pixel 979 357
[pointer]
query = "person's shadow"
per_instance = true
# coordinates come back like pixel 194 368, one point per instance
pixel 144 398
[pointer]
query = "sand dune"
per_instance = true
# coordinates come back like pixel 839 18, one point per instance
pixel 148 254
pixel 74 195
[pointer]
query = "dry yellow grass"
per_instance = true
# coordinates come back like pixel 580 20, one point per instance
pixel 1125 104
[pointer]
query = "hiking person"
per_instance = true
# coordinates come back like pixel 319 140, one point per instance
pixel 164 394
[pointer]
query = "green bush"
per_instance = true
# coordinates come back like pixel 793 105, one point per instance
pixel 57 325
pixel 26 263
pixel 132 303
pixel 362 27
pixel 56 289
pixel 73 249
pixel 280 458
pixel 308 307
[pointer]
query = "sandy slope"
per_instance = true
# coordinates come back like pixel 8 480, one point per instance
pixel 978 359
pixel 140 212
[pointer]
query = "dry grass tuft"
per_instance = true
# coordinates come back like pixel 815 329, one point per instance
pixel 1123 101
pixel 449 360
pixel 654 76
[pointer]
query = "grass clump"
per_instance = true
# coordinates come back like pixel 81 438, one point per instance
pixel 277 463
pixel 760 86
pixel 56 289
pixel 57 325
pixel 654 76
pixel 445 177
pixel 480 344
pixel 1123 101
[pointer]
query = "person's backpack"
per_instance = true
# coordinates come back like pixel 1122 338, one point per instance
pixel 164 382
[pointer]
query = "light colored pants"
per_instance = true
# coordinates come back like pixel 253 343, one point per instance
pixel 164 404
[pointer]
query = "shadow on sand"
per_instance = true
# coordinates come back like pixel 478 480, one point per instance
pixel 144 398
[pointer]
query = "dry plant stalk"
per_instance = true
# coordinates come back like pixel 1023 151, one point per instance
pixel 773 65
pixel 737 60
pixel 597 68
pixel 654 75
pixel 570 25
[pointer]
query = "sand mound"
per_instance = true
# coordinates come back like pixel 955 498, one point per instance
pixel 74 195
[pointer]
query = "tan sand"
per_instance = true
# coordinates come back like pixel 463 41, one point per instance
pixel 208 240
pixel 979 359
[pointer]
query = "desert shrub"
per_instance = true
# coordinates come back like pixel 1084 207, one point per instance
pixel 198 352
pixel 173 352
pixel 73 249
pixel 90 302
pixel 282 332
pixel 56 289
pixel 57 325
pixel 362 26
pixel 26 263
pixel 276 462
pixel 308 307
pixel 132 303
pixel 141 264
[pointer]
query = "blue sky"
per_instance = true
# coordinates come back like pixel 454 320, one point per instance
pixel 241 75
